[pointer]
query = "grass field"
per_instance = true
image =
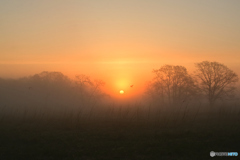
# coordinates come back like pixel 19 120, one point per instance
pixel 120 132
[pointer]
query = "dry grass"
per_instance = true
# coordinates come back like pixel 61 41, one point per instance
pixel 119 132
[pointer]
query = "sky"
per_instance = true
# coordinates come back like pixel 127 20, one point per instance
pixel 118 41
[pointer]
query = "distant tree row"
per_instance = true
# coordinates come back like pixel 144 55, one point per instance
pixel 173 84
pixel 51 89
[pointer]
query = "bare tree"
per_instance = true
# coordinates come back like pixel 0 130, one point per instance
pixel 90 90
pixel 171 84
pixel 83 83
pixel 96 91
pixel 216 80
pixel 82 80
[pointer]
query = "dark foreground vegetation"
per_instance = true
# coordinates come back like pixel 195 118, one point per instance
pixel 121 132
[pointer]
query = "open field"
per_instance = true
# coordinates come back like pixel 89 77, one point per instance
pixel 132 132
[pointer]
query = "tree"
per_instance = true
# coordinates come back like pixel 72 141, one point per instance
pixel 49 80
pixel 171 84
pixel 88 88
pixel 216 80
pixel 83 82
pixel 96 91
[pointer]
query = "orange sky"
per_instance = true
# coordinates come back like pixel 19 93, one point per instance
pixel 118 41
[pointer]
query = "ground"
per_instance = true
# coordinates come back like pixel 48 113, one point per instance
pixel 115 137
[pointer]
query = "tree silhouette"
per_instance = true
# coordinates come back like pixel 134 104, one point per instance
pixel 83 80
pixel 89 89
pixel 83 83
pixel 96 90
pixel 171 84
pixel 216 80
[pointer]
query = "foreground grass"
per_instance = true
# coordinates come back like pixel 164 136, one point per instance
pixel 119 136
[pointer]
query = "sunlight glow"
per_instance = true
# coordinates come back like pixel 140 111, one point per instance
pixel 121 92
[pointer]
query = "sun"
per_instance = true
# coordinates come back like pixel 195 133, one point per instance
pixel 121 91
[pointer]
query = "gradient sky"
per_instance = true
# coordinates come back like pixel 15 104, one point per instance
pixel 119 41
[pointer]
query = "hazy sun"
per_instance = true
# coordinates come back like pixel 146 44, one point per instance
pixel 121 92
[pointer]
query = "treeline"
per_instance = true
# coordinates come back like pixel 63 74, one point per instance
pixel 51 89
pixel 171 85
pixel 211 81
